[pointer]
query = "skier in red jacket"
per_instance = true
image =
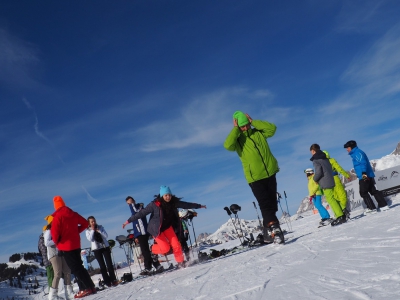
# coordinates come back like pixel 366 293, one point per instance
pixel 65 230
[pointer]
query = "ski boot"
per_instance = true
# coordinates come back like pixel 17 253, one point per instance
pixel 340 220
pixel 146 272
pixel 346 213
pixel 325 222
pixel 187 255
pixel 159 269
pixel 154 257
pixel 181 265
pixel 368 211
pixel 273 233
pixel 384 208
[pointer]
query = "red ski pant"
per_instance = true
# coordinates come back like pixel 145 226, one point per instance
pixel 164 241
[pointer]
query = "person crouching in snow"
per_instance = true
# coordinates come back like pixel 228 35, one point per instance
pixel 164 216
pixel 315 195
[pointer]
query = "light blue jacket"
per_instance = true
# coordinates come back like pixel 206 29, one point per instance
pixel 361 163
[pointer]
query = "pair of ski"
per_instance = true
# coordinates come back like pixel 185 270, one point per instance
pixel 170 268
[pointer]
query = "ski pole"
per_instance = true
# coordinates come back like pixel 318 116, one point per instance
pixel 234 208
pixel 133 248
pixel 190 240
pixel 127 257
pixel 283 212
pixel 259 221
pixel 287 207
pixel 229 214
pixel 194 233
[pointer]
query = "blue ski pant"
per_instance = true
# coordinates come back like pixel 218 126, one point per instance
pixel 321 209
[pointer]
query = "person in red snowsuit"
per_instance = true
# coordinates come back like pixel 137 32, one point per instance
pixel 65 229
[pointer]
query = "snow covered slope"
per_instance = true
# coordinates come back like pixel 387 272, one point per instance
pixel 358 260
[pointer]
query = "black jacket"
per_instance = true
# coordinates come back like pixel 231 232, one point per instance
pixel 154 208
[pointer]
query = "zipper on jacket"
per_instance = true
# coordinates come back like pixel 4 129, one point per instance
pixel 258 150
pixel 161 219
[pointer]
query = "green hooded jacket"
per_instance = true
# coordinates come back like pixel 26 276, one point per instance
pixel 253 150
pixel 335 165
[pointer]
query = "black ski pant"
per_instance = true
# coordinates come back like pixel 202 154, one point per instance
pixel 265 192
pixel 368 187
pixel 144 247
pixel 184 245
pixel 103 257
pixel 74 262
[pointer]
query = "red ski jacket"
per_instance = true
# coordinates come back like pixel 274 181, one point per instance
pixel 66 227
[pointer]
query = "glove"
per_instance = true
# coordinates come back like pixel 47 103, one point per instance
pixel 311 198
pixel 364 176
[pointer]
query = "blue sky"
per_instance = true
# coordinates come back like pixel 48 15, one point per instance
pixel 100 100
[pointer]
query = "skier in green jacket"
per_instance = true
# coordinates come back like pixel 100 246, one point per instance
pixel 339 191
pixel 248 139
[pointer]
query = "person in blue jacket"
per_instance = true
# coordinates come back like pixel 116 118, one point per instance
pixel 142 237
pixel 366 176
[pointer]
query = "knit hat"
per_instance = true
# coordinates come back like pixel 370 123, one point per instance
pixel 164 190
pixel 49 219
pixel 241 118
pixel 58 202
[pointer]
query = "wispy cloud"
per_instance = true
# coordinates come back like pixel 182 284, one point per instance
pixel 38 132
pixel 381 62
pixel 366 16
pixel 203 121
pixel 89 197
pixel 18 60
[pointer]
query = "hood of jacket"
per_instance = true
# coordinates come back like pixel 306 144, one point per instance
pixel 327 154
pixel 318 155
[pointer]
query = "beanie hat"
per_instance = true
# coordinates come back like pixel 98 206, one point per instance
pixel 164 190
pixel 241 118
pixel 49 219
pixel 58 202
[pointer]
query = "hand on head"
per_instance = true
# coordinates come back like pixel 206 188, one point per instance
pixel 249 118
pixel 235 122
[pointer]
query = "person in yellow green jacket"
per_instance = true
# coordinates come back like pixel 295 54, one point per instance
pixel 324 177
pixel 339 191
pixel 315 194
pixel 248 138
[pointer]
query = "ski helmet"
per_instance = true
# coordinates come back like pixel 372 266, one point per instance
pixel 235 208
pixel 309 171
pixel 191 214
pixel 352 144
pixel 183 213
